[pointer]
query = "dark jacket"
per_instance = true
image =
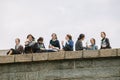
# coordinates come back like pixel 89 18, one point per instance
pixel 105 44
pixel 55 43
pixel 30 47
pixel 68 46
pixel 19 48
pixel 79 45
pixel 38 48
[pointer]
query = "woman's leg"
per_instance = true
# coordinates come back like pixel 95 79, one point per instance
pixel 10 52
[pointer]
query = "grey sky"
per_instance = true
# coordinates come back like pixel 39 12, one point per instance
pixel 43 17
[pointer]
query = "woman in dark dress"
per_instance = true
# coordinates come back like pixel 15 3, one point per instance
pixel 18 48
pixel 40 47
pixel 105 44
pixel 54 43
pixel 29 44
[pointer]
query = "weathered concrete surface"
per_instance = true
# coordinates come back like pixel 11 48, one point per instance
pixel 108 52
pixel 40 56
pixel 118 52
pixel 56 56
pixel 7 59
pixel 72 55
pixel 90 54
pixel 80 65
pixel 3 52
pixel 23 58
pixel 75 69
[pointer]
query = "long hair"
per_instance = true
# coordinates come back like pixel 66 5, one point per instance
pixel 81 36
pixel 94 40
pixel 55 35
pixel 17 39
pixel 69 36
pixel 40 39
pixel 104 33
pixel 31 36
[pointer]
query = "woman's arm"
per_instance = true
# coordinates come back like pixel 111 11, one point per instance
pixel 108 43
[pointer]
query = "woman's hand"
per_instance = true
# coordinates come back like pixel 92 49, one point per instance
pixel 51 46
pixel 62 42
pixel 27 42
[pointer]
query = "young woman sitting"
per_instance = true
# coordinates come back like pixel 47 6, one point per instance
pixel 18 48
pixel 54 44
pixel 105 43
pixel 69 43
pixel 40 47
pixel 79 43
pixel 92 46
pixel 29 44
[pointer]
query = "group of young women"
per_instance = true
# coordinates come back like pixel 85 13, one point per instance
pixel 31 46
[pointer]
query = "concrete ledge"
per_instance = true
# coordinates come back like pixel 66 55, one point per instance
pixel 23 58
pixel 60 55
pixel 56 55
pixel 90 53
pixel 118 52
pixel 73 55
pixel 7 59
pixel 40 56
pixel 108 53
pixel 3 52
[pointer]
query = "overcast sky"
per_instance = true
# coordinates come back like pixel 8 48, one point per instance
pixel 44 17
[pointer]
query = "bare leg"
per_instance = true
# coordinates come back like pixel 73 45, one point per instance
pixel 10 52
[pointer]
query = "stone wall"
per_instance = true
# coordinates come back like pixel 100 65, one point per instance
pixel 77 65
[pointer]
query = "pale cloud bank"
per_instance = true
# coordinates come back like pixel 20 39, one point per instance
pixel 43 17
